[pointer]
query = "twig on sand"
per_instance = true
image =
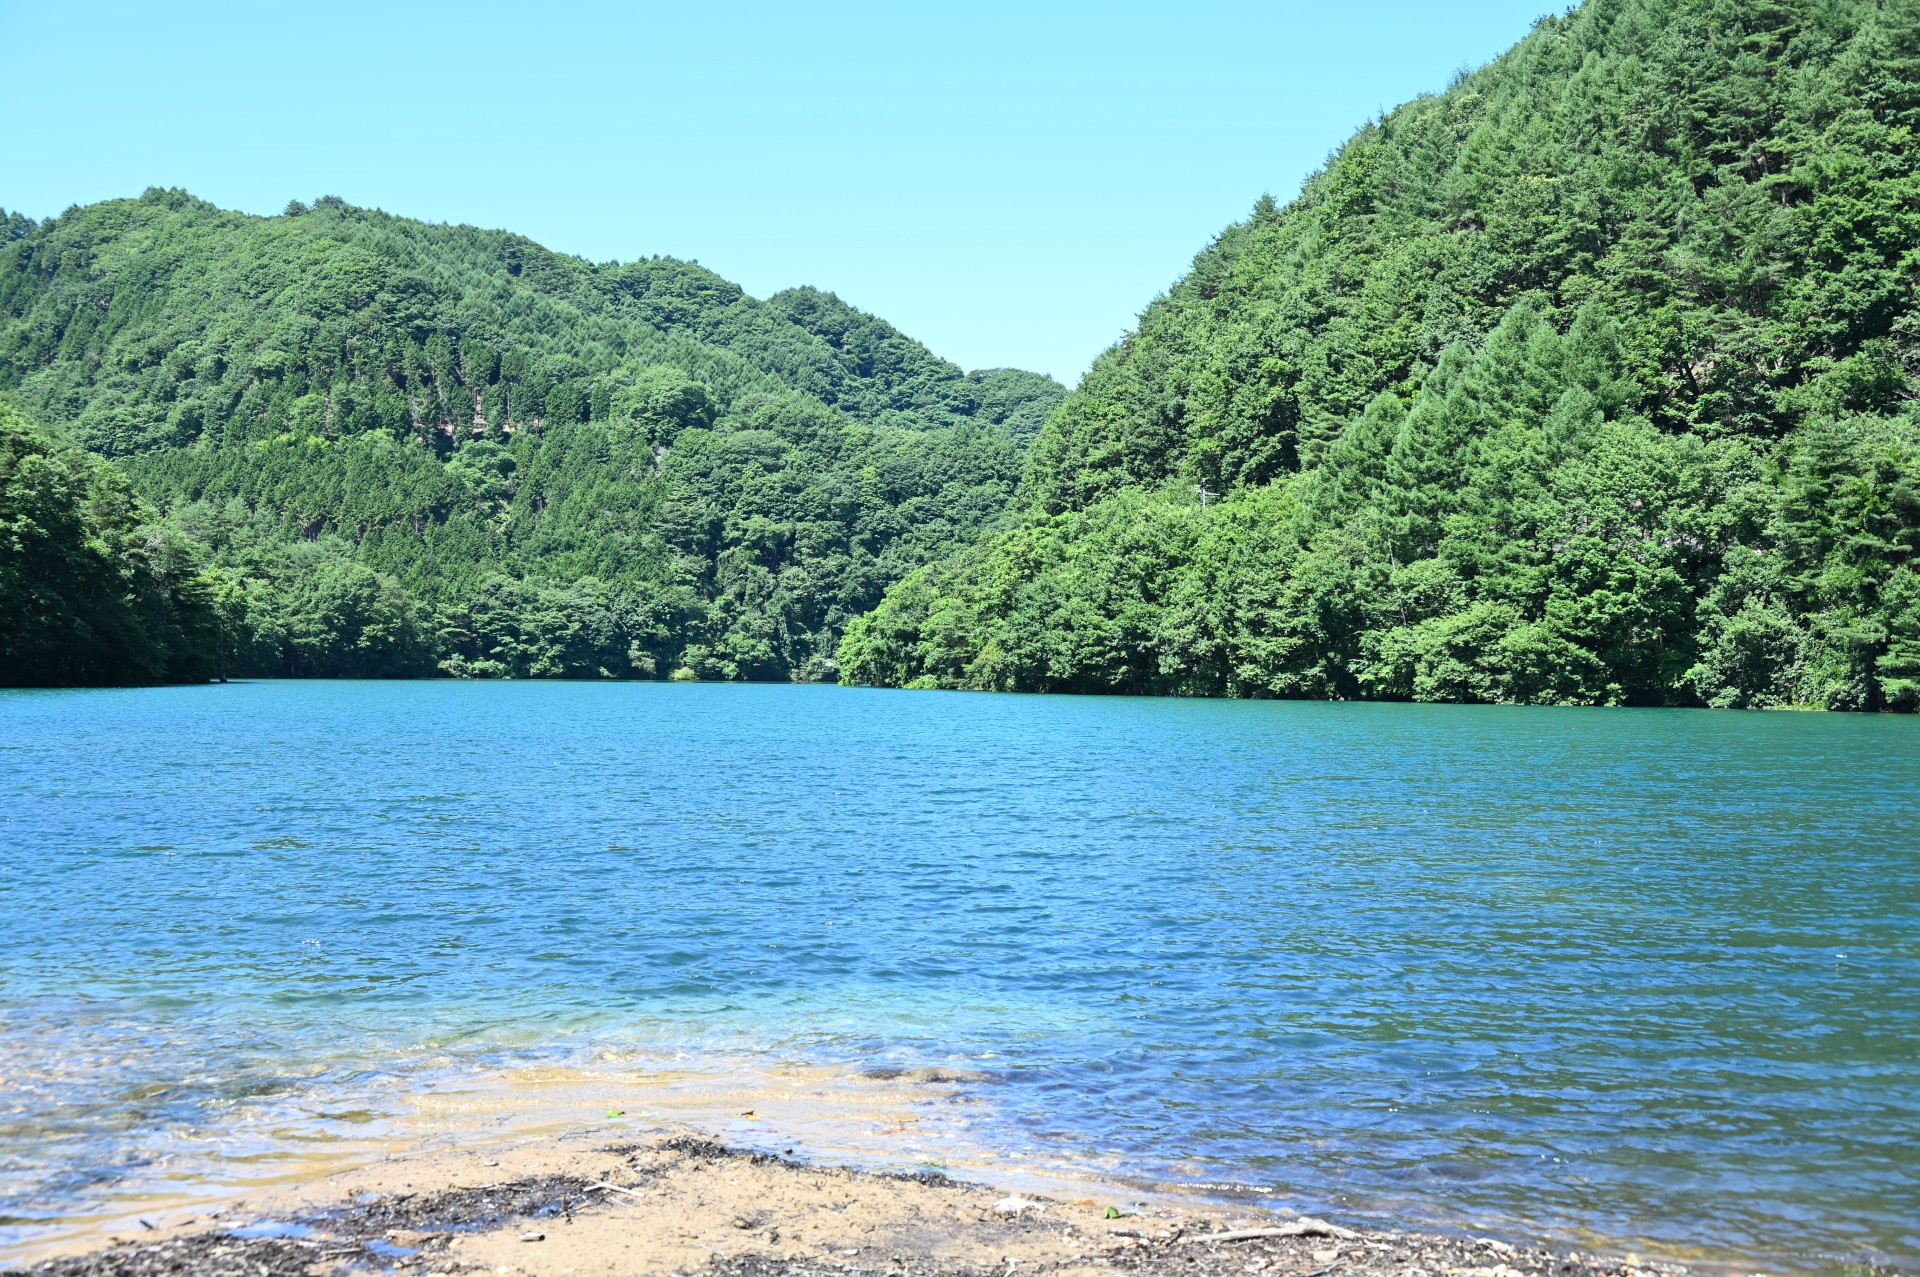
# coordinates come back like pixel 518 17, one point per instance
pixel 614 1188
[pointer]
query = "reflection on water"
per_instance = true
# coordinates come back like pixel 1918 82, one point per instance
pixel 1643 977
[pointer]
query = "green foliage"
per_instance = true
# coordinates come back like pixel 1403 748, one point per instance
pixel 399 447
pixel 1592 381
pixel 92 590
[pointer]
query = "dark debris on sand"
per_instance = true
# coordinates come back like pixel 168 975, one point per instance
pixel 1155 1250
pixel 1157 1254
pixel 1164 1252
pixel 777 1266
pixel 209 1255
pixel 700 1149
pixel 409 1233
pixel 398 1231
pixel 458 1210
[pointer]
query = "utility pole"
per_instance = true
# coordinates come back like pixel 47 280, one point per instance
pixel 1201 489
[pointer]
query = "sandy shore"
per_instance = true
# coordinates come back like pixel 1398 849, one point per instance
pixel 680 1202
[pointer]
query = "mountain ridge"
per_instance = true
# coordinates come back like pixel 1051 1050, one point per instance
pixel 399 446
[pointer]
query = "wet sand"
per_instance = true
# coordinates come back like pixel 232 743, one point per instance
pixel 676 1201
pixel 874 1118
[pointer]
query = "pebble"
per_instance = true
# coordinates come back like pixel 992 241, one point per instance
pixel 533 1237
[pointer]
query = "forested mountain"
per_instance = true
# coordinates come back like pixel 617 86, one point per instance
pixel 387 447
pixel 1590 380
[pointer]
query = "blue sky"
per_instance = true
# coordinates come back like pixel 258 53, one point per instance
pixel 1008 182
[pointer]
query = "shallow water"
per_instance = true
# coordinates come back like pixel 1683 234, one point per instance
pixel 1645 979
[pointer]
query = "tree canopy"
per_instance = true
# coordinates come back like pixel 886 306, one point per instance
pixel 1594 379
pixel 389 448
pixel 93 590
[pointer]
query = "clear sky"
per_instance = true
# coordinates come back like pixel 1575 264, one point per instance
pixel 1008 182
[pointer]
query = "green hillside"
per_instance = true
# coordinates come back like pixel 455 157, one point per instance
pixel 91 589
pixel 1590 380
pixel 392 447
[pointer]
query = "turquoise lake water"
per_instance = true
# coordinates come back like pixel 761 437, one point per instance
pixel 1643 976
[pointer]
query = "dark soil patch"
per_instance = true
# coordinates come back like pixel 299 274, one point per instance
pixel 932 1179
pixel 209 1255
pixel 706 1150
pixel 459 1210
pixel 350 1235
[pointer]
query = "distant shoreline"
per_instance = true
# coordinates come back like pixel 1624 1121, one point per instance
pixel 443 678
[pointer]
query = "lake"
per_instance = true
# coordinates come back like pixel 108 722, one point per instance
pixel 1636 978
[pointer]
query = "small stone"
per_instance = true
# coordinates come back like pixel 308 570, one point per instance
pixel 533 1237
pixel 1326 1256
pixel 1016 1206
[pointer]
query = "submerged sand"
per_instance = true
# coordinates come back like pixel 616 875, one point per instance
pixel 680 1202
pixel 873 1117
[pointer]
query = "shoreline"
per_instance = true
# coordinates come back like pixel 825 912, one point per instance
pixel 677 1201
pixel 493 1148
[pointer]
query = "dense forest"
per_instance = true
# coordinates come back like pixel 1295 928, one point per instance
pixel 336 442
pixel 1594 379
pixel 92 588
pixel 1591 380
